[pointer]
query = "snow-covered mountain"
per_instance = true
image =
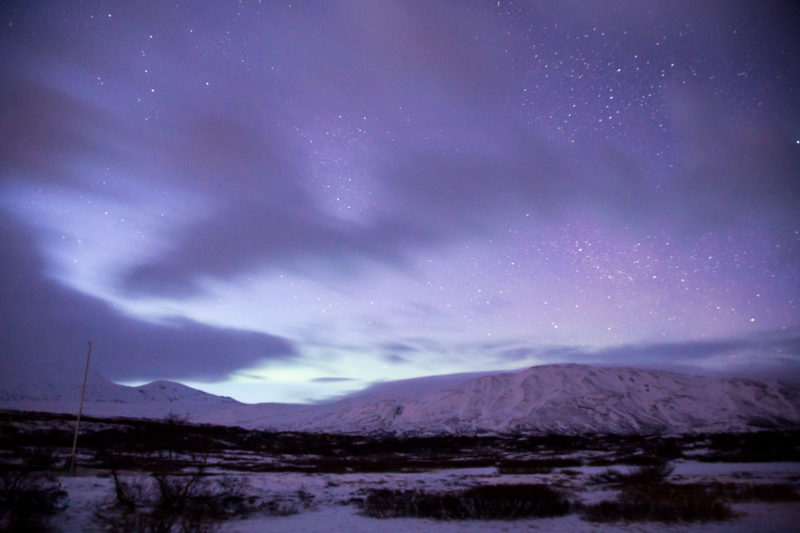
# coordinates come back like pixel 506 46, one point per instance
pixel 575 399
pixel 60 393
pixel 569 399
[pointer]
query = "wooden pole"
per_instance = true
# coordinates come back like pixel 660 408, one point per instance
pixel 80 408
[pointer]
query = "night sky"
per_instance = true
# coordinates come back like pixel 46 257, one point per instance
pixel 286 201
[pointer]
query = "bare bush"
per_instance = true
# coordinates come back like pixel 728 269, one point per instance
pixel 164 502
pixel 28 498
pixel 183 502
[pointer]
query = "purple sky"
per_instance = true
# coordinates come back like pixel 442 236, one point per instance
pixel 286 201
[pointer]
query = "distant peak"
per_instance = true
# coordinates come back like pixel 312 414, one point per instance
pixel 162 384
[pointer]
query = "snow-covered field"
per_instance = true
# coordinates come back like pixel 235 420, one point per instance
pixel 325 502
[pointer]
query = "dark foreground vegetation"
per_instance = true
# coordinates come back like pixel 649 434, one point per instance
pixel 28 498
pixel 181 501
pixel 665 502
pixel 146 444
pixel 169 475
pixel 645 494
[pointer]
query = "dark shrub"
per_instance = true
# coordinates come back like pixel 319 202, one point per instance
pixel 173 501
pixel 168 502
pixel 641 475
pixel 754 447
pixel 660 503
pixel 766 492
pixel 535 466
pixel 751 492
pixel 514 501
pixel 498 502
pixel 28 499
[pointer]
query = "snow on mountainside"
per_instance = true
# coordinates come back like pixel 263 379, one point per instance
pixel 568 399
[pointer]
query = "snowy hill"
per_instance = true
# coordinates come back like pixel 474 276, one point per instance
pixel 567 399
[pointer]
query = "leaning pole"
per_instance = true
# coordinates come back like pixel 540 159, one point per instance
pixel 80 408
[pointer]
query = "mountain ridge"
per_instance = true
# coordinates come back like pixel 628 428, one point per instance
pixel 562 398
